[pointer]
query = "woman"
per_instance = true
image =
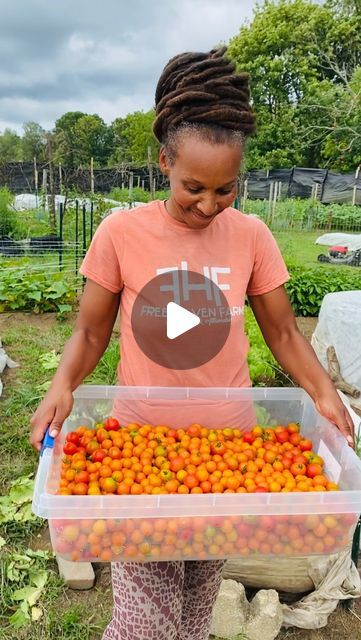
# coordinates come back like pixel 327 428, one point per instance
pixel 203 116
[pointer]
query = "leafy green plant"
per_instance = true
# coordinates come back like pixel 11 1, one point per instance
pixel 23 573
pixel 33 291
pixel 263 368
pixel 294 213
pixel 308 287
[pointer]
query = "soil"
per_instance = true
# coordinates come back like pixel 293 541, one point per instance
pixel 343 624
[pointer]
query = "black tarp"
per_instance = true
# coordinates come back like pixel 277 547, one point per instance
pixel 297 182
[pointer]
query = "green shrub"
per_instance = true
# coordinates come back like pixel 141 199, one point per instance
pixel 261 363
pixel 24 290
pixel 138 195
pixel 294 213
pixel 308 287
pixel 7 216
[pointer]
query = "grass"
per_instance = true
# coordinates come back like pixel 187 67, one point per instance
pixel 299 247
pixel 66 614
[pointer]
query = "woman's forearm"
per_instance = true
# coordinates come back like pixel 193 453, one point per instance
pixel 81 354
pixel 298 359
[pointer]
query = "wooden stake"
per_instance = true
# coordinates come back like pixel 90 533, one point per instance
pixel 52 218
pixel 131 187
pixel 36 182
pixel 354 191
pixel 245 194
pixel 150 172
pixel 270 199
pixel 91 175
pixel 274 202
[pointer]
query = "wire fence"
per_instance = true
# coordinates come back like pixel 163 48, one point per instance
pixel 52 254
pixel 60 254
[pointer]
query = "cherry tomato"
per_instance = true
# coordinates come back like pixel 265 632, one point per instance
pixel 70 448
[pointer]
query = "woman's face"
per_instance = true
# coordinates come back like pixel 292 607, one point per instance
pixel 203 180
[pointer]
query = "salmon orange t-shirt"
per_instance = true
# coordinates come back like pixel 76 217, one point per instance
pixel 237 251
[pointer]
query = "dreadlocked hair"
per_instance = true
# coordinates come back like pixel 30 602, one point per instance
pixel 201 93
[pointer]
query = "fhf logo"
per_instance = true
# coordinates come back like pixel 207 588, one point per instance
pixel 181 285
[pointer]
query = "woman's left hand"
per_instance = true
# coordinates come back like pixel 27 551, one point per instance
pixel 331 407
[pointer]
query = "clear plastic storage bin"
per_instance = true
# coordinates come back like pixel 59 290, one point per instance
pixel 200 526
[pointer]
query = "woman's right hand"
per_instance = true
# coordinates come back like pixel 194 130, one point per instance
pixel 51 412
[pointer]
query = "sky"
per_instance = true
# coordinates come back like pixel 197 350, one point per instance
pixel 99 57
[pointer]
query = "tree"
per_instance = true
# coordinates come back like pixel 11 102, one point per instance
pixel 300 56
pixel 132 137
pixel 65 138
pixel 33 142
pixel 93 140
pixel 333 122
pixel 10 146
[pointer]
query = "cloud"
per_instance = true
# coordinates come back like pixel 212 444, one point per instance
pixel 100 58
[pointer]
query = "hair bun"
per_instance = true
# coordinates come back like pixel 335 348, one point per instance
pixel 203 88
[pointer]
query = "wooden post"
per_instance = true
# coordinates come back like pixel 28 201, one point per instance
pixel 60 179
pixel 92 175
pixel 36 182
pixel 245 194
pixel 52 213
pixel 45 188
pixel 131 177
pixel 354 191
pixel 143 185
pixel 279 189
pixel 274 201
pixel 138 178
pixel 150 172
pixel 270 200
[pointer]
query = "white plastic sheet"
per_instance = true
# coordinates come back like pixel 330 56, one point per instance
pixel 339 325
pixel 5 361
pixel 334 581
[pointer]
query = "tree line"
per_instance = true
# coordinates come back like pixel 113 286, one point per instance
pixel 304 59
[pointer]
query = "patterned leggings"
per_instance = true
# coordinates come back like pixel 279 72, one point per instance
pixel 163 600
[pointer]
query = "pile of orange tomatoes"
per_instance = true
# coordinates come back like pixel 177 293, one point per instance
pixel 146 459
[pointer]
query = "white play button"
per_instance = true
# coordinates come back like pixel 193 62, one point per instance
pixel 179 320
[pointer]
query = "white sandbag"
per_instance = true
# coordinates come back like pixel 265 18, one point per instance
pixel 5 361
pixel 339 325
pixel 334 581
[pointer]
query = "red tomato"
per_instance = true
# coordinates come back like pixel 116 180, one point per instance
pixel 70 448
pixel 314 470
pixel 111 424
pixel 305 445
pixel 298 469
pixel 295 439
pixel 99 455
pixel 282 436
pixel 82 477
pixel 73 436
pixel 249 437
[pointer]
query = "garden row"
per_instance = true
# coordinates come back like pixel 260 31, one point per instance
pixel 23 289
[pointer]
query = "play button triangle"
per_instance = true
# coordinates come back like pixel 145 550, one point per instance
pixel 179 320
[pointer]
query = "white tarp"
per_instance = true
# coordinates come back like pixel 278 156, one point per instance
pixel 339 325
pixel 25 201
pixel 350 240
